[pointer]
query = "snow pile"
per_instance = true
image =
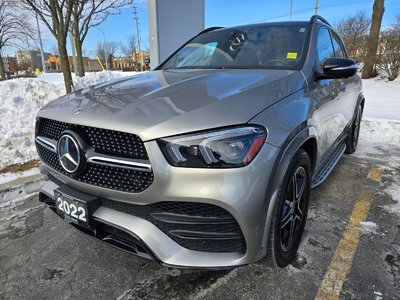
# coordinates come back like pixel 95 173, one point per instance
pixel 378 137
pixel 383 99
pixel 19 101
pixel 380 128
pixel 394 191
pixel 369 227
pixel 90 78
pixel 21 98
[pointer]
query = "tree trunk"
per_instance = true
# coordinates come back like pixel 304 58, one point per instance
pixel 65 67
pixel 79 57
pixel 78 45
pixel 373 39
pixel 2 71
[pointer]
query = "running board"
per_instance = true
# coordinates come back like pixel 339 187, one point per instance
pixel 327 168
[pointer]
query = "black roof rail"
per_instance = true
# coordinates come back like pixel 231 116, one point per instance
pixel 210 29
pixel 315 18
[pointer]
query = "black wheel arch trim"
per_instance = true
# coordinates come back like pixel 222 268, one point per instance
pixel 294 142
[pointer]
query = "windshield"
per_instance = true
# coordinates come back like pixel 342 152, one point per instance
pixel 248 47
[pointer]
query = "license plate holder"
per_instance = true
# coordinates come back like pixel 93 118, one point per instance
pixel 75 207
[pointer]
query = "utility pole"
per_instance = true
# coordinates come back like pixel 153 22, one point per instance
pixel 104 48
pixel 291 6
pixel 138 36
pixel 316 7
pixel 41 45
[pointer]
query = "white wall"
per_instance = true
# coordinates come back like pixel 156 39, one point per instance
pixel 172 23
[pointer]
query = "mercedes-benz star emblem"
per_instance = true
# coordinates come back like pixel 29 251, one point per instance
pixel 69 153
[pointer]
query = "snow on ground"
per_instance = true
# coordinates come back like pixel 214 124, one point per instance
pixel 383 99
pixel 380 129
pixel 21 98
pixel 394 191
pixel 369 227
pixel 8 177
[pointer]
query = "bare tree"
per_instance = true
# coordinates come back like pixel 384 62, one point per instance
pixel 354 31
pixel 14 29
pixel 129 49
pixel 108 49
pixel 88 14
pixel 56 15
pixel 373 39
pixel 389 50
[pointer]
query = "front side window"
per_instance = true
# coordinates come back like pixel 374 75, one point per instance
pixel 324 46
pixel 246 47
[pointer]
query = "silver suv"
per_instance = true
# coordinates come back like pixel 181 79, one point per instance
pixel 207 161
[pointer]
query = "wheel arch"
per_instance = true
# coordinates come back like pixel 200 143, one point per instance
pixel 306 140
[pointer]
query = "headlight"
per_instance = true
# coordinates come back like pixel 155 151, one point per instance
pixel 227 148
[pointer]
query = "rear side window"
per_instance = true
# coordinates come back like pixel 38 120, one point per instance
pixel 337 46
pixel 324 46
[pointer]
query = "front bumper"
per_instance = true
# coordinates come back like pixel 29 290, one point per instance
pixel 242 192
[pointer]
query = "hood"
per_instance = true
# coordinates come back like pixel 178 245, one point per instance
pixel 165 103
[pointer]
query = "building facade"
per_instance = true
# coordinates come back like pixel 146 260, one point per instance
pixel 30 59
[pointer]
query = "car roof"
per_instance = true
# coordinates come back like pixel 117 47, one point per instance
pixel 314 19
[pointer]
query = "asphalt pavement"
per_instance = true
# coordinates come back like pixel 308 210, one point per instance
pixel 42 257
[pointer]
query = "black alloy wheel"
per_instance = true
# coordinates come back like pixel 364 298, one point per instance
pixel 293 209
pixel 290 214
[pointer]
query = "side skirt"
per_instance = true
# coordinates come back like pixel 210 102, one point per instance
pixel 328 166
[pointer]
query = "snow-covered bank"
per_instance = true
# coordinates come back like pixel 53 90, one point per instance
pixel 21 98
pixel 383 99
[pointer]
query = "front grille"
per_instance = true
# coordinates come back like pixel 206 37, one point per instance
pixel 120 179
pixel 104 141
pixel 195 226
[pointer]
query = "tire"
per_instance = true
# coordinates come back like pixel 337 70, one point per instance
pixel 284 239
pixel 352 139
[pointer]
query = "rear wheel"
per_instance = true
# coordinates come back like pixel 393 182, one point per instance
pixel 352 139
pixel 290 213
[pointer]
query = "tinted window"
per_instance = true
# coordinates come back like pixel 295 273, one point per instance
pixel 324 46
pixel 261 46
pixel 338 50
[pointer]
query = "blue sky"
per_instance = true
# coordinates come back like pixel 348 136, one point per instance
pixel 229 13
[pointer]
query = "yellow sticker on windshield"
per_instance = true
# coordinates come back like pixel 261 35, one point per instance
pixel 291 55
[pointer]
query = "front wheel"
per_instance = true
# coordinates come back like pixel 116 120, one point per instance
pixel 290 213
pixel 352 139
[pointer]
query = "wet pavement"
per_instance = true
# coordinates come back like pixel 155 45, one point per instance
pixel 42 257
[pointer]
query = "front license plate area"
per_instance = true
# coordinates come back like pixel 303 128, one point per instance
pixel 75 207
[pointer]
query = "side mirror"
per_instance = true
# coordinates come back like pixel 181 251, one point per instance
pixel 336 68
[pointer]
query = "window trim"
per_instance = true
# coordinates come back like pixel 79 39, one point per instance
pixel 339 41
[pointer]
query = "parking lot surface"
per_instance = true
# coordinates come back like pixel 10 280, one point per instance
pixel 42 257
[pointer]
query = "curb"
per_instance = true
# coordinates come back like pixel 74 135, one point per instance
pixel 20 182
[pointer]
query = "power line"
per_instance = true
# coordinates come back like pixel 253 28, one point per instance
pixel 315 8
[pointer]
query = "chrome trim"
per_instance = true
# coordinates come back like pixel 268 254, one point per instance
pixel 344 68
pixel 304 76
pixel 64 153
pixel 114 162
pixel 49 144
